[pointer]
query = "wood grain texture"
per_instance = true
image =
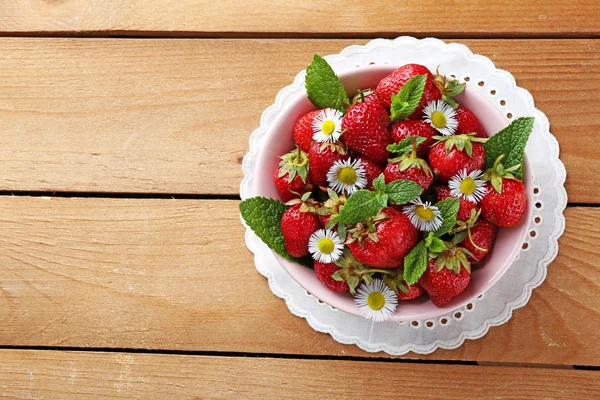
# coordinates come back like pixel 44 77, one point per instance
pixel 165 116
pixel 175 274
pixel 74 375
pixel 320 17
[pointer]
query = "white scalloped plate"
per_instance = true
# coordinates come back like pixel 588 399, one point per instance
pixel 528 270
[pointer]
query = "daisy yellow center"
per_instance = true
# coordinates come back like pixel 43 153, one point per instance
pixel 347 176
pixel 328 127
pixel 426 214
pixel 325 245
pixel 376 301
pixel 438 119
pixel 467 186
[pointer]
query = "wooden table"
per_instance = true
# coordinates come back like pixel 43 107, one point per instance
pixel 123 268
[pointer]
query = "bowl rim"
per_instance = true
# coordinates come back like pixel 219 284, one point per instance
pixel 340 301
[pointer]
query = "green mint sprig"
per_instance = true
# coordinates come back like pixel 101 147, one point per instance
pixel 405 145
pixel 510 142
pixel 324 88
pixel 363 204
pixel 406 101
pixel 263 216
pixel 449 209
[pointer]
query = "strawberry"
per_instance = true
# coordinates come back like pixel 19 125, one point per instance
pixel 415 170
pixel 366 127
pixel 403 129
pixel 303 130
pixel 291 175
pixel 383 240
pixel 324 272
pixel 469 123
pixel 447 275
pixel 414 291
pixel 454 153
pixel 391 84
pixel 483 234
pixel 297 227
pixel 505 201
pixel 330 208
pixel 321 157
pixel 466 206
pixel 372 171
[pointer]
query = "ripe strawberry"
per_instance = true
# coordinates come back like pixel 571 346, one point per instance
pixel 414 291
pixel 297 227
pixel 303 130
pixel 417 171
pixel 372 171
pixel 291 175
pixel 366 127
pixel 324 272
pixel 403 129
pixel 483 234
pixel 384 240
pixel 447 275
pixel 505 201
pixel 321 157
pixel 466 206
pixel 451 155
pixel 391 84
pixel 469 123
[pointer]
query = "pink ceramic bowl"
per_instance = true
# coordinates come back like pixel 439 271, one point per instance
pixel 279 140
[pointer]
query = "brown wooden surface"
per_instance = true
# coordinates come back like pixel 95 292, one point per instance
pixel 175 275
pixel 119 115
pixel 75 375
pixel 320 17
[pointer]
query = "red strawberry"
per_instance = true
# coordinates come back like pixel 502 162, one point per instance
pixel 420 174
pixel 483 234
pixel 372 171
pixel 391 85
pixel 321 157
pixel 297 227
pixel 366 130
pixel 393 237
pixel 303 130
pixel 324 272
pixel 506 208
pixel 292 175
pixel 403 129
pixel 446 276
pixel 372 98
pixel 468 123
pixel 466 206
pixel 414 291
pixel 451 156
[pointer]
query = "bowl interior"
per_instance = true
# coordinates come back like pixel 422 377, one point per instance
pixel 279 140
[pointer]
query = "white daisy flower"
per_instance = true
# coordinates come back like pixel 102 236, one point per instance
pixel 423 216
pixel 376 301
pixel 327 125
pixel 441 116
pixel 468 186
pixel 347 176
pixel 325 246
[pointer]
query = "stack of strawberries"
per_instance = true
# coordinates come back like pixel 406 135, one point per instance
pixel 393 193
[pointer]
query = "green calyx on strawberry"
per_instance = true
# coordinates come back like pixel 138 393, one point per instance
pixel 330 211
pixel 367 229
pixel 353 271
pixel 495 174
pixel 448 88
pixel 451 154
pixel 462 142
pixel 452 258
pixel 409 159
pixel 394 279
pixel 307 203
pixel 294 163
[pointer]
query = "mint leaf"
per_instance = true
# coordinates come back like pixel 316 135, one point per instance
pixel 402 191
pixel 379 183
pixel 407 100
pixel 405 145
pixel 511 142
pixel 448 208
pixel 263 216
pixel 324 88
pixel 415 263
pixel 434 244
pixel 360 206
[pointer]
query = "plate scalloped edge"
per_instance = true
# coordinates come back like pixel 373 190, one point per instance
pixel 264 258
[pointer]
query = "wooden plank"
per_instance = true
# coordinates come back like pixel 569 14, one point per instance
pixel 175 274
pixel 164 116
pixel 76 375
pixel 320 17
